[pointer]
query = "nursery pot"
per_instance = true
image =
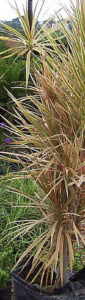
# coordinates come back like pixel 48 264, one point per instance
pixel 5 293
pixel 74 289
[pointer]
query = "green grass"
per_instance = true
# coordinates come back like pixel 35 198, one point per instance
pixel 79 258
pixel 13 208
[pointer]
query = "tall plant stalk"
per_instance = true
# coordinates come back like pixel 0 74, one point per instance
pixel 65 260
pixel 30 13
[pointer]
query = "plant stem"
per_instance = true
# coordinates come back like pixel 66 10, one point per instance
pixel 30 13
pixel 65 261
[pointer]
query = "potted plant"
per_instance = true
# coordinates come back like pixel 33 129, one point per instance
pixel 50 138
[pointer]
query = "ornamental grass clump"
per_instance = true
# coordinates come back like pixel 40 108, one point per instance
pixel 49 140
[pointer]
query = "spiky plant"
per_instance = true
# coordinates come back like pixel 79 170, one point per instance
pixel 54 132
pixel 28 41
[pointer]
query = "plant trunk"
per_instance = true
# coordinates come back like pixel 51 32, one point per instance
pixel 30 13
pixel 65 260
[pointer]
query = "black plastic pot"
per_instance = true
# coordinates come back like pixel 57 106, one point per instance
pixel 5 293
pixel 74 289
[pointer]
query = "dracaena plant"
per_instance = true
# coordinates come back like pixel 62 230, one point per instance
pixel 49 140
pixel 28 41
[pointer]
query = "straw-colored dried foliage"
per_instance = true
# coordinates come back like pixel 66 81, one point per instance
pixel 49 140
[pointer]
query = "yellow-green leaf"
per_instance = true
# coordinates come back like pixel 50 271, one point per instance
pixel 28 67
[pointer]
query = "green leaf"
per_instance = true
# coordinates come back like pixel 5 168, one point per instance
pixel 28 67
pixel 10 29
